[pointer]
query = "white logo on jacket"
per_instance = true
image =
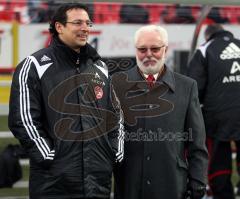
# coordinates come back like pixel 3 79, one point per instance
pixel 45 58
pixel 233 77
pixel 232 51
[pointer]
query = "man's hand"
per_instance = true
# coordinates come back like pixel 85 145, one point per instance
pixel 196 193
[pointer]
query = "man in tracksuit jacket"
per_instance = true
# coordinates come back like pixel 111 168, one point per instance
pixel 216 68
pixel 65 113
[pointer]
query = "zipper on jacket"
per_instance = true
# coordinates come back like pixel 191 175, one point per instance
pixel 78 70
pixel 82 142
pixel 78 61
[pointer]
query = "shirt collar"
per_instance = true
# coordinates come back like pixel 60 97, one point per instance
pixel 167 77
pixel 155 76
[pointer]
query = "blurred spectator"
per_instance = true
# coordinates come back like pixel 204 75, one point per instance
pixel 184 14
pixel 33 6
pixel 133 14
pixel 39 16
pixel 51 7
pixel 168 14
pixel 37 11
pixel 178 14
pixel 34 3
pixel 214 16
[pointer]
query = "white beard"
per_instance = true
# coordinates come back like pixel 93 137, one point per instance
pixel 151 69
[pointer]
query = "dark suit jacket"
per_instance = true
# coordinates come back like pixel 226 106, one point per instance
pixel 165 137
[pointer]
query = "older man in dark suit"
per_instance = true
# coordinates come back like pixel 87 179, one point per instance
pixel 165 153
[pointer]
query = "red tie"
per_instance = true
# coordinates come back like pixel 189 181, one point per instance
pixel 150 80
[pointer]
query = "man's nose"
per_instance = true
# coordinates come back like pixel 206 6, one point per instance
pixel 84 27
pixel 149 52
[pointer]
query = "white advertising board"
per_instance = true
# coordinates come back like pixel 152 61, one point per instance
pixel 6 47
pixel 110 40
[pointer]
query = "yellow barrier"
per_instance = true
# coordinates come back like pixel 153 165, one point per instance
pixel 5 86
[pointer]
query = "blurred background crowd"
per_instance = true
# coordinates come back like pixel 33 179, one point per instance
pixel 31 11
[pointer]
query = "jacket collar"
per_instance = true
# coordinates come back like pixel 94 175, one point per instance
pixel 86 52
pixel 221 33
pixel 167 78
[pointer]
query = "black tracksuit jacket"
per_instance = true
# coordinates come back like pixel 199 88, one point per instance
pixel 216 68
pixel 64 112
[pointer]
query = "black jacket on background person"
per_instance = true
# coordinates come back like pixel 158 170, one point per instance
pixel 164 152
pixel 216 68
pixel 57 98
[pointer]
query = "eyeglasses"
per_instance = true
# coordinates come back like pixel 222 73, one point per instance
pixel 81 22
pixel 152 49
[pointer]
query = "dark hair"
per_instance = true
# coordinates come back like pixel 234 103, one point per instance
pixel 60 15
pixel 211 30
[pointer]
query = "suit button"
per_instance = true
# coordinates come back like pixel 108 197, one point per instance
pixel 148 158
pixel 151 106
pixel 148 182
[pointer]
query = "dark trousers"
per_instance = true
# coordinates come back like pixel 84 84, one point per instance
pixel 220 168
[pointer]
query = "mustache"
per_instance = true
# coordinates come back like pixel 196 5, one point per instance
pixel 149 59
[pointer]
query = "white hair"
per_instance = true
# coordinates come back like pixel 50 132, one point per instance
pixel 151 28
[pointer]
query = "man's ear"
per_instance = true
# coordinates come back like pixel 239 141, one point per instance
pixel 59 27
